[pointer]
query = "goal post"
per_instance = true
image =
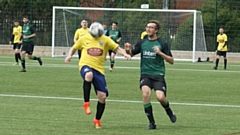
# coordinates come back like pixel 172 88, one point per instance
pixel 181 29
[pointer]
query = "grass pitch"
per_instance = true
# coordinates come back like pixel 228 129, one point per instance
pixel 47 100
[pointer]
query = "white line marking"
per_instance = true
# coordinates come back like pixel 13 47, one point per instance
pixel 121 101
pixel 117 67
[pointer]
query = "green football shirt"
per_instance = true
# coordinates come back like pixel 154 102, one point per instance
pixel 27 30
pixel 115 34
pixel 151 63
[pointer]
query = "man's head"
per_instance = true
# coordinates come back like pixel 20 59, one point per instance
pixel 104 26
pixel 114 25
pixel 152 27
pixel 16 23
pixel 84 23
pixel 25 20
pixel 221 30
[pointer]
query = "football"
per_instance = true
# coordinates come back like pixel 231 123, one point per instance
pixel 96 29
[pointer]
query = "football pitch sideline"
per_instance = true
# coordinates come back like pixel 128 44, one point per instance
pixel 47 100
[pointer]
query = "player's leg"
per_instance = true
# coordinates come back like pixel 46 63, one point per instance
pixel 145 85
pixel 100 87
pixel 225 60
pixel 113 59
pixel 79 54
pixel 87 75
pixel 217 60
pixel 23 53
pixel 30 52
pixel 159 86
pixel 16 52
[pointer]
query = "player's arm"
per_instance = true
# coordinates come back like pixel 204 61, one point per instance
pixel 76 35
pixel 132 50
pixel 165 53
pixel 71 51
pixel 32 35
pixel 226 42
pixel 123 53
pixel 11 40
pixel 119 37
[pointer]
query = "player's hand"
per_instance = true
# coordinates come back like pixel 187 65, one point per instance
pixel 10 42
pixel 68 59
pixel 127 46
pixel 156 49
pixel 24 37
pixel 128 57
pixel 19 42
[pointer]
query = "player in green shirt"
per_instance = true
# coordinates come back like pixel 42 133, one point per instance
pixel 28 34
pixel 154 52
pixel 116 36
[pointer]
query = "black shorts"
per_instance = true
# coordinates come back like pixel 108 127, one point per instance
pixel 110 52
pixel 154 82
pixel 28 47
pixel 222 53
pixel 16 46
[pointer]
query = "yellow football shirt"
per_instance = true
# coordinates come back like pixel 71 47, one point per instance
pixel 143 34
pixel 17 33
pixel 80 32
pixel 94 51
pixel 221 39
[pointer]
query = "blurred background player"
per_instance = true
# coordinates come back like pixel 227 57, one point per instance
pixel 80 32
pixel 144 35
pixel 105 28
pixel 91 67
pixel 116 36
pixel 16 40
pixel 28 35
pixel 154 52
pixel 221 48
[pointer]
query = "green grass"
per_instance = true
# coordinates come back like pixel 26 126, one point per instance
pixel 47 100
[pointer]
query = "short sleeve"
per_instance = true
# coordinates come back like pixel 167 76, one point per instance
pixel 166 49
pixel 137 48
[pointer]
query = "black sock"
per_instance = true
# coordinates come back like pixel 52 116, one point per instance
pixel 112 63
pixel 148 112
pixel 35 58
pixel 217 61
pixel 165 106
pixel 23 63
pixel 100 110
pixel 16 57
pixel 19 56
pixel 86 90
pixel 225 63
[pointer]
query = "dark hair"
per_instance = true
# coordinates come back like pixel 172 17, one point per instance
pixel 16 21
pixel 156 22
pixel 115 22
pixel 25 17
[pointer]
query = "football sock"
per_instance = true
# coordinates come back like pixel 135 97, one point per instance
pixel 217 61
pixel 225 63
pixel 35 58
pixel 112 63
pixel 166 105
pixel 100 110
pixel 148 112
pixel 19 56
pixel 23 63
pixel 16 57
pixel 86 90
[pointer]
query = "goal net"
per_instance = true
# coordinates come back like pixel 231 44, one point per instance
pixel 181 29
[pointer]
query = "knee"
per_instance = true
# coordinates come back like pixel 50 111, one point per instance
pixel 161 97
pixel 101 96
pixel 89 76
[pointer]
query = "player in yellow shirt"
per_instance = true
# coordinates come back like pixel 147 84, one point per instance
pixel 94 49
pixel 80 32
pixel 221 48
pixel 16 40
pixel 144 35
